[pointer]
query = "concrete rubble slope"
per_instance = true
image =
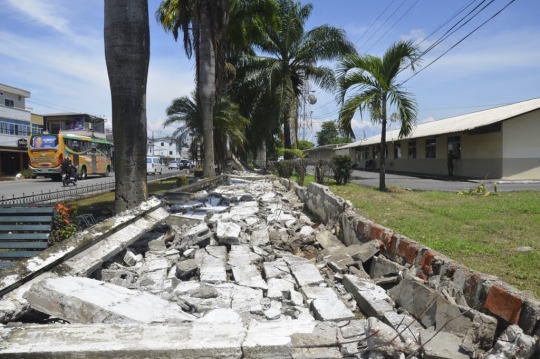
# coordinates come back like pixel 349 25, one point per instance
pixel 239 270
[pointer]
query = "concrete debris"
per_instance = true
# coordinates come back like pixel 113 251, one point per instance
pixel 241 271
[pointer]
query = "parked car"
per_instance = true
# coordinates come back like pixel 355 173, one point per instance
pixel 153 165
pixel 173 165
pixel 185 164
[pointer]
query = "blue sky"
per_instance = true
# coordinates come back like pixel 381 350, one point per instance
pixel 54 49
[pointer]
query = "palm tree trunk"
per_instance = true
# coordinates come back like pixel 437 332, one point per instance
pixel 206 86
pixel 382 170
pixel 127 54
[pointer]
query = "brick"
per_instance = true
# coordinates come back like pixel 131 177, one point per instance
pixel 503 304
pixel 426 261
pixel 361 228
pixel 375 232
pixel 407 250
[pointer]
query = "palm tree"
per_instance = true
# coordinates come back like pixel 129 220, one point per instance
pixel 127 54
pixel 375 80
pixel 289 58
pixel 201 22
pixel 228 123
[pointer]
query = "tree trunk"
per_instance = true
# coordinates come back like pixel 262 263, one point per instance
pixel 260 159
pixel 127 54
pixel 207 87
pixel 382 170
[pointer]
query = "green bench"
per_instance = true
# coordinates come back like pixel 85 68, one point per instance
pixel 24 232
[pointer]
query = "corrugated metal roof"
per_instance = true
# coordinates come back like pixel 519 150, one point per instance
pixel 457 124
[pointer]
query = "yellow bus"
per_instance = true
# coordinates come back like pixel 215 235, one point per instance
pixel 92 156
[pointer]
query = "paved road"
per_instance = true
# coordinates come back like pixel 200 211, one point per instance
pixel 371 179
pixel 26 187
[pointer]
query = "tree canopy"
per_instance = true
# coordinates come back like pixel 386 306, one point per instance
pixel 329 134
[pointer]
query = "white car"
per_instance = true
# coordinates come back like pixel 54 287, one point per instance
pixel 173 165
pixel 153 165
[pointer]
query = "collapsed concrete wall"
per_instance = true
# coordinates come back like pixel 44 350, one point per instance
pixel 242 271
pixel 428 270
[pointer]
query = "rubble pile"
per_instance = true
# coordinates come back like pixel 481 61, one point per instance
pixel 244 264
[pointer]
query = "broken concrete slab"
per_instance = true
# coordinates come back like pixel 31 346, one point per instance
pixel 407 328
pixel 259 237
pixel 372 299
pixel 328 241
pixel 249 276
pixel 212 261
pixel 275 269
pixel 239 256
pixel 199 235
pixel 306 274
pixel 83 300
pixel 382 267
pixel 441 345
pixel 277 287
pixel 186 268
pixel 383 338
pixel 203 297
pixel 136 341
pixel 228 232
pixel 331 310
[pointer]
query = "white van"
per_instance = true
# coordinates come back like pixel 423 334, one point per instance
pixel 153 165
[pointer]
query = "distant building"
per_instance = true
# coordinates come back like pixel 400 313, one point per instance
pixel 81 124
pixel 16 124
pixel 164 148
pixel 499 143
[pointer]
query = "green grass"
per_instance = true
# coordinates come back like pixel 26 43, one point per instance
pixel 104 203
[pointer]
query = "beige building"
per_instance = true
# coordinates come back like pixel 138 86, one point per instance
pixel 499 143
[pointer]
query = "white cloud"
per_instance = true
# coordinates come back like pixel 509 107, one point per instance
pixel 43 13
pixel 417 36
pixel 427 119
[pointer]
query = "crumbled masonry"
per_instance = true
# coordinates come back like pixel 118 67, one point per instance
pixel 247 270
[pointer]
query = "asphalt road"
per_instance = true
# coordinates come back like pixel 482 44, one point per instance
pixel 446 184
pixel 26 187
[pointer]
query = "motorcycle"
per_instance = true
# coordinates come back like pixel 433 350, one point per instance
pixel 69 179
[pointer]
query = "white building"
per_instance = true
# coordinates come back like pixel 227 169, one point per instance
pixel 16 124
pixel 164 148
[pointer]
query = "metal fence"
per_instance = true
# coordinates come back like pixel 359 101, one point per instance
pixel 80 190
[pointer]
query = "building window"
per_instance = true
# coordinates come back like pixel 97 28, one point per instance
pixel 430 148
pixel 454 144
pixel 397 149
pixel 412 149
pixel 9 103
pixel 162 144
pixel 170 152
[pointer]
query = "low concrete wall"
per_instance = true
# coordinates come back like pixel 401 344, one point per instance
pixel 483 292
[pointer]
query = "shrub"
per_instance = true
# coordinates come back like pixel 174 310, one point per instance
pixel 26 173
pixel 342 167
pixel 64 224
pixel 300 167
pixel 290 153
pixel 321 166
pixel 285 168
pixel 182 181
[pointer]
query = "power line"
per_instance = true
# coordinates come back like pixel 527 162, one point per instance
pixel 404 1
pixel 457 43
pixel 390 28
pixel 365 32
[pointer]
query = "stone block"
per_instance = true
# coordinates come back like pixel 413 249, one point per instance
pixel 382 267
pixel 328 241
pixel 376 232
pixel 186 268
pixel 306 274
pixel 407 328
pixel 366 251
pixel 228 232
pixel 503 304
pixel 135 341
pixel 83 300
pixel 249 276
pixel 530 317
pixel 259 237
pixel 199 235
pixel 275 269
pixel 239 255
pixel 383 338
pixel 276 287
pixel 331 310
pixel 372 299
pixel 416 298
pixel 211 261
pixel 441 346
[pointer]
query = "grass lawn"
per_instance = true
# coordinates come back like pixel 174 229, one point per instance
pixel 103 204
pixel 479 232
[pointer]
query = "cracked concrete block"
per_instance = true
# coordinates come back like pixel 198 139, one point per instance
pixel 339 263
pixel 441 346
pixel 331 310
pixel 222 315
pixel 273 339
pixel 416 298
pixel 199 235
pixel 277 286
pixel 306 274
pixel 480 336
pixel 186 268
pixel 243 298
pixel 239 256
pixel 382 267
pixel 275 269
pixel 407 327
pixel 353 329
pixel 212 261
pixel 135 341
pixel 228 232
pixel 249 276
pixel 328 241
pixel 259 237
pixel 201 298
pixel 383 338
pixel 372 299
pixel 130 258
pixel 306 231
pixel 272 314
pixel 296 297
pixel 83 300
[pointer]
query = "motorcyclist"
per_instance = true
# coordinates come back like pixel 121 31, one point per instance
pixel 68 168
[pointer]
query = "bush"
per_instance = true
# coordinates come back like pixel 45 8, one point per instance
pixel 342 167
pixel 290 153
pixel 300 167
pixel 285 168
pixel 26 173
pixel 321 166
pixel 64 224
pixel 182 181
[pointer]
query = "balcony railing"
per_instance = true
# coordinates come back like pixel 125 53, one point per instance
pixel 14 113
